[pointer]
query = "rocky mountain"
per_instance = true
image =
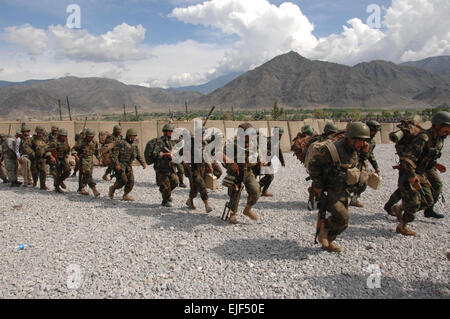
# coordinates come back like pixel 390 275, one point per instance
pixel 6 83
pixel 438 64
pixel 86 95
pixel 295 81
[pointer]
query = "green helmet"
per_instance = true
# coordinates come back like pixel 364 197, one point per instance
pixel 245 126
pixel 330 128
pixel 441 118
pixel 55 128
pixel 117 128
pixel 19 132
pixel 25 128
pixel 280 129
pixel 307 129
pixel 358 130
pixel 90 132
pixel 62 132
pixel 168 127
pixel 131 132
pixel 39 129
pixel 374 125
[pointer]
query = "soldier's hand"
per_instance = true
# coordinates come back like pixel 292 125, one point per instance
pixel 167 154
pixel 235 168
pixel 144 167
pixel 415 182
pixel 118 168
pixel 377 171
pixel 365 147
pixel 441 168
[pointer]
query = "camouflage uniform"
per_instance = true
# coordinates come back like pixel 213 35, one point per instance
pixel 245 177
pixel 27 154
pixel 86 150
pixel 38 167
pixel 3 173
pixel 123 154
pixel 111 139
pixel 331 178
pixel 164 167
pixel 60 151
pixel 10 157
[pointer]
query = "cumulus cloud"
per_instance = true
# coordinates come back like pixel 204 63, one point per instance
pixel 118 45
pixel 413 29
pixel 32 39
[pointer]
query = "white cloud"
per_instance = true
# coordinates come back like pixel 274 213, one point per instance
pixel 32 39
pixel 118 45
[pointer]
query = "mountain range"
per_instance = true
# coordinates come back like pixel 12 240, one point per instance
pixel 290 79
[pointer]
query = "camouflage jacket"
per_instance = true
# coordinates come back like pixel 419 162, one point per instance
pixel 113 139
pixel 26 147
pixel 163 145
pixel 86 149
pixel 370 156
pixel 125 153
pixel 62 149
pixel 325 174
pixel 421 153
pixel 39 146
pixel 52 138
pixel 249 160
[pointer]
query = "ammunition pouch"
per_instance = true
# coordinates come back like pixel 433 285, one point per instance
pixel 229 181
pixel 353 176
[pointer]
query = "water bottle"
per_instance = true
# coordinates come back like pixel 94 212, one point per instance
pixel 23 246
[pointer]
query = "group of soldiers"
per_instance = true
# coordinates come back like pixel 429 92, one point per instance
pixel 338 169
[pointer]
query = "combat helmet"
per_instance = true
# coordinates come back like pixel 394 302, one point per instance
pixel 117 128
pixel 168 127
pixel 55 128
pixel 25 128
pixel 441 118
pixel 39 129
pixel 90 132
pixel 374 125
pixel 357 130
pixel 131 132
pixel 307 129
pixel 330 128
pixel 62 132
pixel 245 126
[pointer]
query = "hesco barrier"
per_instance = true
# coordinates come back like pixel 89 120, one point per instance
pixel 151 129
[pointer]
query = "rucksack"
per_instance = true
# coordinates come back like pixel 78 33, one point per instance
pixel 148 153
pixel 300 145
pixel 316 147
pixel 409 130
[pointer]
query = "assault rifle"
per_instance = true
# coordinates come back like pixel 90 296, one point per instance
pixel 321 214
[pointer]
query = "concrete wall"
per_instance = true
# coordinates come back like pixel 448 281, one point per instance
pixel 148 130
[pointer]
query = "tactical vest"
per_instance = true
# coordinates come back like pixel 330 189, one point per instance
pixel 431 152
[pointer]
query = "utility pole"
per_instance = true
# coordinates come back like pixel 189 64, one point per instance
pixel 124 113
pixel 232 112
pixel 68 106
pixel 136 111
pixel 186 108
pixel 60 114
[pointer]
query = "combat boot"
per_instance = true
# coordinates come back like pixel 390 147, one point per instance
pixel 356 203
pixel 323 237
pixel 5 181
pixel 208 208
pixel 95 191
pixel 430 213
pixel 398 211
pixel 105 177
pixel 190 203
pixel 182 185
pixel 388 208
pixel 128 198
pixel 58 190
pixel 82 191
pixel 402 229
pixel 44 188
pixel 233 218
pixel 251 214
pixel 166 204
pixel 111 191
pixel 266 194
pixel 63 185
pixel 334 248
pixel 35 184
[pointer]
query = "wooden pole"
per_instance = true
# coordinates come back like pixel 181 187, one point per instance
pixel 60 113
pixel 68 106
pixel 136 111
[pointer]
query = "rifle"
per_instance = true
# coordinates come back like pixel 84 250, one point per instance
pixel 236 194
pixel 209 115
pixel 321 214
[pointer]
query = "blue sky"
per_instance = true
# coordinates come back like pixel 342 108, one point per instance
pixel 185 42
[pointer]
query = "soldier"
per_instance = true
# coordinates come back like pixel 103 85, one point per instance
pixel 265 181
pixel 77 166
pixel 112 139
pixel 217 169
pixel 84 154
pixel 196 173
pixel 419 183
pixel 58 152
pixel 26 155
pixel 38 167
pixel 53 136
pixel 3 172
pixel 123 155
pixel 164 167
pixel 307 130
pixel 374 127
pixel 243 174
pixel 10 149
pixel 333 171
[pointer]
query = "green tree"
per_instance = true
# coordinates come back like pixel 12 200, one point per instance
pixel 277 112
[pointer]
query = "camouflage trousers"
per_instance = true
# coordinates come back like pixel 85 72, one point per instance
pixel 414 200
pixel 11 167
pixel 167 182
pixel 3 172
pixel 337 206
pixel 252 188
pixel 197 183
pixel 125 177
pixel 62 171
pixel 39 171
pixel 180 172
pixel 86 169
pixel 26 171
pixel 265 182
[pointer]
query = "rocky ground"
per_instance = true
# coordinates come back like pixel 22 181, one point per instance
pixel 101 248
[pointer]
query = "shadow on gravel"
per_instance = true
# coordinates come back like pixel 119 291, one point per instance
pixel 186 220
pixel 145 184
pixel 348 285
pixel 263 249
pixel 274 204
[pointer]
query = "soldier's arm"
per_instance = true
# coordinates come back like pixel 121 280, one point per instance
pixel 139 157
pixel 317 168
pixel 115 154
pixel 410 157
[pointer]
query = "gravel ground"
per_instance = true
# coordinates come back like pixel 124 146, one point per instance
pixel 102 248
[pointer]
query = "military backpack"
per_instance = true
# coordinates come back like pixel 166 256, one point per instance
pixel 148 153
